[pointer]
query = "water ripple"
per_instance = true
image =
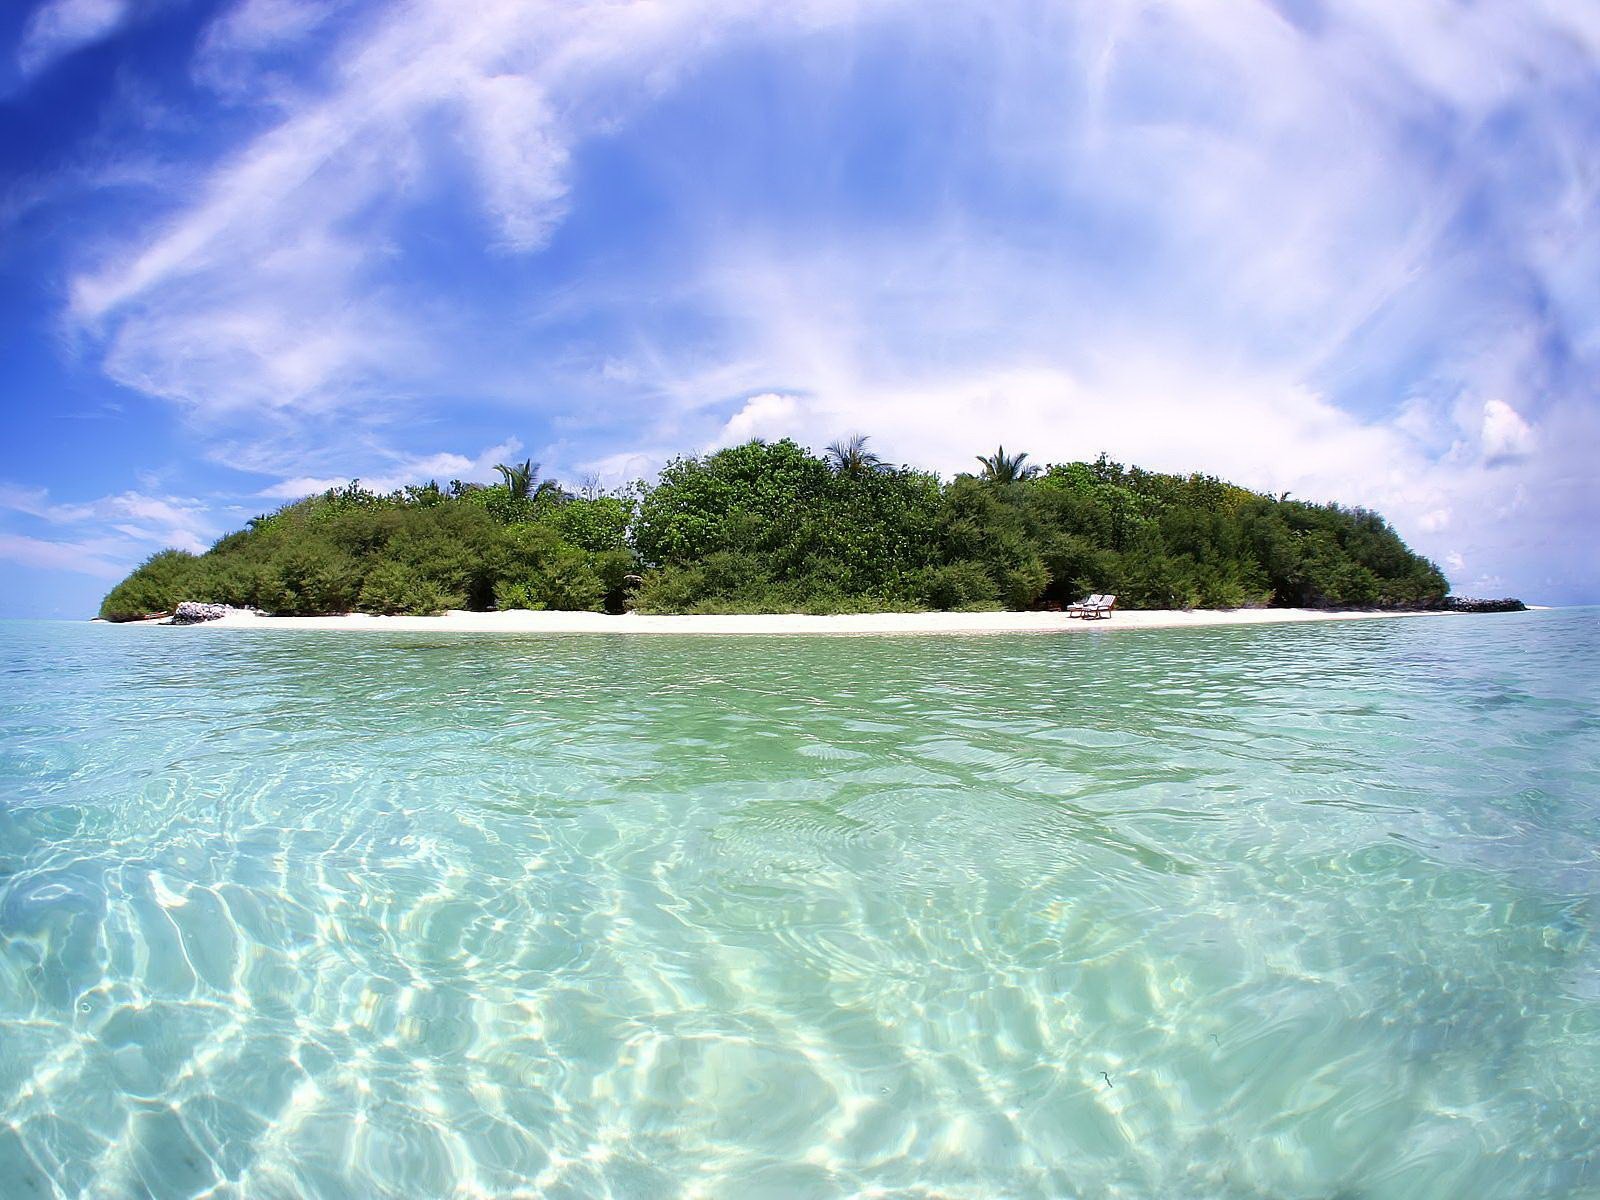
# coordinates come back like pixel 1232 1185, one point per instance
pixel 1292 912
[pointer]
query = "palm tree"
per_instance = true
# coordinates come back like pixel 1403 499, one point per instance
pixel 550 489
pixel 523 482
pixel 519 479
pixel 851 458
pixel 1001 467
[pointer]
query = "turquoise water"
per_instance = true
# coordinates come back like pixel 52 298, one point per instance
pixel 1280 912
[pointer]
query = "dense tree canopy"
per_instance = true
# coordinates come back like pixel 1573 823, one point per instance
pixel 771 527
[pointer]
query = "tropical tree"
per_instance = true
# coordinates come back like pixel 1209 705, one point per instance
pixel 851 458
pixel 771 527
pixel 519 478
pixel 523 482
pixel 1001 467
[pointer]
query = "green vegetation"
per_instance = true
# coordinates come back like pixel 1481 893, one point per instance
pixel 771 527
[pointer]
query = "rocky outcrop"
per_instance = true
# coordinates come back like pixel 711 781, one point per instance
pixel 1464 604
pixel 191 612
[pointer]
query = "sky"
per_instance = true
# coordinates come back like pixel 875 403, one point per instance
pixel 250 249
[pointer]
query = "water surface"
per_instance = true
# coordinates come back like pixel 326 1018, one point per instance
pixel 1278 912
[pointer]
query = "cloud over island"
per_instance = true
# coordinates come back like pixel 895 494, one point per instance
pixel 1343 250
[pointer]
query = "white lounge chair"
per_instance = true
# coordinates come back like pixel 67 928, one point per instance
pixel 1107 605
pixel 1083 606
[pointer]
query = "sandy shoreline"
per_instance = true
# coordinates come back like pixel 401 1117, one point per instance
pixel 527 621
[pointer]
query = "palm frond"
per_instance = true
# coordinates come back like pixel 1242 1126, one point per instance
pixel 850 457
pixel 1001 467
pixel 519 477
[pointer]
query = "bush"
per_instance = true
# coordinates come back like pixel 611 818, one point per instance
pixel 498 502
pixel 615 569
pixel 565 580
pixel 599 525
pixel 670 590
pixel 393 588
pixel 957 585
pixel 1026 583
pixel 730 573
pixel 454 547
pixel 568 581
pixel 770 527
pixel 510 596
pixel 156 585
pixel 750 497
pixel 309 578
pixel 229 579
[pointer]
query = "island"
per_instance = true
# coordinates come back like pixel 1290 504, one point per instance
pixel 771 528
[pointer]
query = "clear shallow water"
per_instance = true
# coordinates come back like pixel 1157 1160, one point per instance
pixel 1283 912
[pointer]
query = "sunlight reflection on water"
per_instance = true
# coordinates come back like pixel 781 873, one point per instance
pixel 1296 911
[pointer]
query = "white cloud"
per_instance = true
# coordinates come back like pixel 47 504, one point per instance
pixel 1264 232
pixel 1507 438
pixel 252 26
pixel 83 558
pixel 521 158
pixel 268 289
pixel 33 501
pixel 1156 404
pixel 768 416
pixel 1434 520
pixel 394 471
pixel 301 486
pixel 1162 417
pixel 59 27
pixel 1299 256
pixel 623 468
pixel 172 521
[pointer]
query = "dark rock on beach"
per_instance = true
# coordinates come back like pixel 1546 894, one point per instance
pixel 193 613
pixel 1464 604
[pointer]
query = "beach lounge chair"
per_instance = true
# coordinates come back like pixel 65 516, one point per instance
pixel 1082 606
pixel 1105 608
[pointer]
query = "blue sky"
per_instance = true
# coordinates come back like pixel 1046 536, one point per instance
pixel 250 248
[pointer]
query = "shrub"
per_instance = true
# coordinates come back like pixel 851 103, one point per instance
pixel 730 573
pixel 392 588
pixel 310 577
pixel 1026 583
pixel 750 497
pixel 565 580
pixel 509 595
pixel 227 579
pixel 771 527
pixel 669 589
pixel 568 581
pixel 156 585
pixel 598 525
pixel 501 505
pixel 956 585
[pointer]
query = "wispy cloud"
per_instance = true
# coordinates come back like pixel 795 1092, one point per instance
pixel 96 558
pixel 1308 258
pixel 270 290
pixel 59 27
pixel 101 538
pixel 254 27
pixel 164 521
pixel 1347 251
pixel 394 471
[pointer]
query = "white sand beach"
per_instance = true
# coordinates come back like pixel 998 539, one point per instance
pixel 528 621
